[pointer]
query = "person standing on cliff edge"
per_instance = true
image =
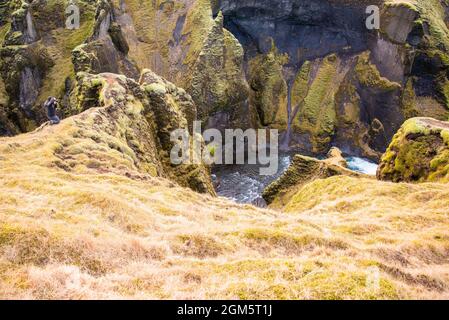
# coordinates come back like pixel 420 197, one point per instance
pixel 51 104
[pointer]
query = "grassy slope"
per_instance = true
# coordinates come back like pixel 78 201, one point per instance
pixel 92 233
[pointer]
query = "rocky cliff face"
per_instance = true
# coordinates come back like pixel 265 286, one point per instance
pixel 180 41
pixel 35 58
pixel 311 69
pixel 339 83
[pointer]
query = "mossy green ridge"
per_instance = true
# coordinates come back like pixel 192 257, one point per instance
pixel 218 81
pixel 422 24
pixel 317 116
pixel 419 152
pixel 269 88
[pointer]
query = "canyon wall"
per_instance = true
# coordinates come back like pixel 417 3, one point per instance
pixel 309 68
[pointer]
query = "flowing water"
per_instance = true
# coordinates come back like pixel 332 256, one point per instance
pixel 362 165
pixel 244 184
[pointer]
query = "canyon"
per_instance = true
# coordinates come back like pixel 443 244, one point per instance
pixel 93 208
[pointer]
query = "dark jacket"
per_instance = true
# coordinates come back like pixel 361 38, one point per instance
pixel 51 104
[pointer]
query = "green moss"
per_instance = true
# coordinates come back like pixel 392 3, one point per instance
pixel 197 26
pixel 409 159
pixel 3 31
pixel 156 88
pixel 418 152
pixel 408 101
pixel 270 87
pixel 441 160
pixel 369 76
pixel 413 126
pixel 301 85
pixel 445 136
pixel 433 13
pixel 317 116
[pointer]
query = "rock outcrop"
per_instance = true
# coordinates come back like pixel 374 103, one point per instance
pixel 218 84
pixel 35 58
pixel 304 170
pixel 106 50
pixel 419 152
pixel 124 116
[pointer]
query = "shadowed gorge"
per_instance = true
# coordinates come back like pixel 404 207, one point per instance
pixel 329 80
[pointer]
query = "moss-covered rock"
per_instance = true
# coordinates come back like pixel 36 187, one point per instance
pixel 419 152
pixel 302 171
pixel 172 106
pixel 218 81
pixel 137 120
pixel 316 117
pixel 106 48
pixel 269 88
pixel 35 58
pixel 168 36
pixel 22 69
pixel 369 76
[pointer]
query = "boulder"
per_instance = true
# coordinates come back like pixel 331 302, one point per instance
pixel 419 152
pixel 335 157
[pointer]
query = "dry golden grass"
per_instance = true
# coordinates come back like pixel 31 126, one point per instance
pixel 82 232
